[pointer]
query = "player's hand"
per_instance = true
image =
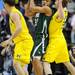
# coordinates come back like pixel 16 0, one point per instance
pixel 5 43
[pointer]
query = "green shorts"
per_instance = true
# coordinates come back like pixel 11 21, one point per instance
pixel 39 47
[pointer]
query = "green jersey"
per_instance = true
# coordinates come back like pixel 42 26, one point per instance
pixel 41 35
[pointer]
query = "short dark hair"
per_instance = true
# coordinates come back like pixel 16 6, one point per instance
pixel 10 2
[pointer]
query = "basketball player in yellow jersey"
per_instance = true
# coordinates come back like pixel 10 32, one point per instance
pixel 57 48
pixel 21 37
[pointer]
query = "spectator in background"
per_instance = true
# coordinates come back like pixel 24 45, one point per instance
pixel 1 5
pixel 71 6
pixel 73 29
pixel 72 54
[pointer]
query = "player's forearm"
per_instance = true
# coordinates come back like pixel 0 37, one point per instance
pixel 60 10
pixel 27 6
pixel 32 4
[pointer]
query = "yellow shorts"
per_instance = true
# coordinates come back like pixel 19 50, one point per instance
pixel 56 51
pixel 22 52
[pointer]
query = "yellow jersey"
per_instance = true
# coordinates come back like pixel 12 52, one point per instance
pixel 23 41
pixel 56 25
pixel 24 34
pixel 57 48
